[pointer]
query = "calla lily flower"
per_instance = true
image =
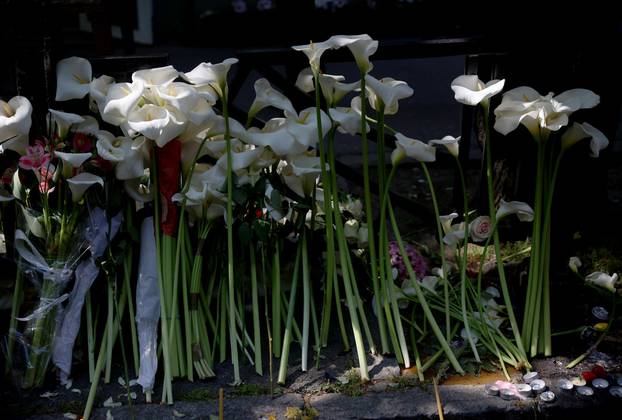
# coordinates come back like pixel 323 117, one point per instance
pixel 524 105
pixel 351 230
pixel 398 155
pixel 82 182
pixel 15 122
pixel 333 89
pixel 446 221
pixel 125 153
pixel 451 143
pixel 304 81
pixel 469 90
pixel 159 76
pixel 300 173
pixel 182 96
pixel 160 124
pixel 73 78
pixel 522 210
pixel 416 149
pixel 304 127
pixel 214 75
pixel 387 92
pixel 275 135
pixel 361 47
pixel 578 132
pixel 139 188
pixel 121 99
pixel 574 263
pixel 348 120
pixel 455 235
pixel 63 121
pixel 242 156
pixel 265 96
pixel 314 52
pixel 98 89
pixel 72 161
pixel 603 280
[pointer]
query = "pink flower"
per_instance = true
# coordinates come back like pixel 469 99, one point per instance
pixel 82 143
pixel 46 174
pixel 417 261
pixel 480 228
pixel 35 157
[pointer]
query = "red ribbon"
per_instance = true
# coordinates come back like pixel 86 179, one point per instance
pixel 169 169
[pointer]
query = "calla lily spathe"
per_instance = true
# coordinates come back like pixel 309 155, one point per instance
pixel 214 75
pixel 603 280
pixel 155 77
pixel 73 78
pixel 574 263
pixel 126 154
pixel 304 81
pixel 470 90
pixel 98 89
pixel 266 96
pixel 300 173
pixel 72 161
pixel 386 91
pixel 314 52
pixel 15 122
pixel 415 149
pixel 578 132
pixel 451 143
pixel 63 121
pixel 522 210
pixel 82 182
pixel 304 127
pixel 160 124
pixel 348 120
pixel 361 47
pixel 524 105
pixel 275 135
pixel 121 99
pixel 333 89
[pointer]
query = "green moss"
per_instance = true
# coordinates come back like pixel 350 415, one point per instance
pixel 251 390
pixel 601 259
pixel 405 382
pixel 200 394
pixel 306 413
pixel 352 386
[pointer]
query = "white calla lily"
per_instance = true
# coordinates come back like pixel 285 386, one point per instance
pixel 416 149
pixel 470 90
pixel 386 92
pixel 348 120
pixel 63 121
pixel 89 125
pixel 121 99
pixel 98 89
pixel 15 122
pixel 524 105
pixel 522 210
pixel 333 89
pixel 82 182
pixel 603 280
pixel 304 127
pixel 72 160
pixel 451 143
pixel 447 220
pixel 160 124
pixel 159 76
pixel 214 75
pixel 266 96
pixel 180 95
pixel 304 81
pixel 300 173
pixel 578 132
pixel 242 156
pixel 574 263
pixel 275 135
pixel 361 47
pixel 138 188
pixel 110 147
pixel 314 52
pixel 73 78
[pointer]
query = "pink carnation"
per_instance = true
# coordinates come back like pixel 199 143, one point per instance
pixel 35 157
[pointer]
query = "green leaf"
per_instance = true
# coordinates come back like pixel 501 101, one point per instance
pixel 240 196
pixel 261 229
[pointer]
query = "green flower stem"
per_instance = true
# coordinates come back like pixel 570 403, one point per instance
pixel 127 278
pixel 331 264
pixel 386 275
pixel 90 339
pixel 443 341
pixel 413 341
pixel 255 302
pixel 102 354
pixel 276 299
pixel 532 283
pixel 233 333
pixel 287 337
pixel 342 326
pixel 284 309
pixel 306 301
pixel 441 244
pixel 463 276
pixel 371 237
pixel 491 206
pixel 339 221
pixel 16 303
pixel 184 236
pixel 167 394
pixel 110 320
